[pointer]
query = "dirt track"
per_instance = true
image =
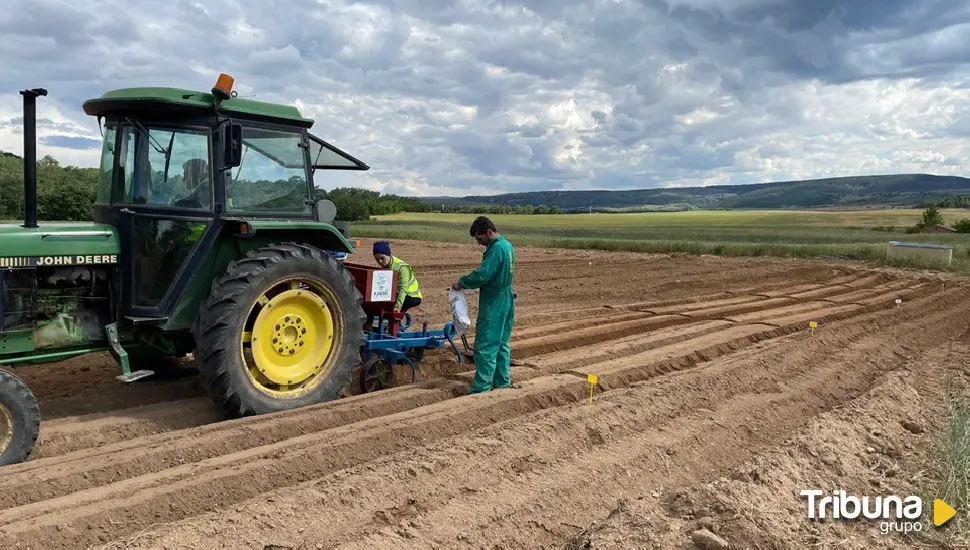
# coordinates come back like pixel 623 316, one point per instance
pixel 703 364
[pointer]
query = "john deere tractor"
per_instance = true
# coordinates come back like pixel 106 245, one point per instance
pixel 206 240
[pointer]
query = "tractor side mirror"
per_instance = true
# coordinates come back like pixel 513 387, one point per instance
pixel 232 141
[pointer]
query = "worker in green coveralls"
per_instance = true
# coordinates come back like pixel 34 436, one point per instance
pixel 496 307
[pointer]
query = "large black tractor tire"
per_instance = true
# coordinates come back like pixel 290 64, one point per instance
pixel 19 420
pixel 241 302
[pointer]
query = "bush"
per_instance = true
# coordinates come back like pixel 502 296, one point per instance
pixel 931 217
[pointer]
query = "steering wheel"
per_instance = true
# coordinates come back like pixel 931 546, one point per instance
pixel 188 202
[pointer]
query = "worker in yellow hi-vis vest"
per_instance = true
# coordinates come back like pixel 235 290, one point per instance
pixel 408 292
pixel 194 232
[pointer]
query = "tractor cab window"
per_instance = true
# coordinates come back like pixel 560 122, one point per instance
pixel 107 165
pixel 272 174
pixel 166 167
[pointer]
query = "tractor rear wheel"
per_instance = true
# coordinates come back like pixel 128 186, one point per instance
pixel 19 420
pixel 282 329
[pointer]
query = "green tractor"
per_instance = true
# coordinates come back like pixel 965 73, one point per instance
pixel 207 240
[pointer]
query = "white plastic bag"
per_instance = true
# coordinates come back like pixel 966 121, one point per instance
pixel 459 311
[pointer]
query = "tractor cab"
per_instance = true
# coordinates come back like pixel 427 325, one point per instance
pixel 180 168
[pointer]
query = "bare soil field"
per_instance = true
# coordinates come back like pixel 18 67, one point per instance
pixel 715 405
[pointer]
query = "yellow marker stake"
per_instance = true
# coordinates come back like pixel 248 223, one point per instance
pixel 811 326
pixel 591 378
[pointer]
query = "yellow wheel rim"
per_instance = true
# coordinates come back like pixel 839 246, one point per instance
pixel 291 338
pixel 6 428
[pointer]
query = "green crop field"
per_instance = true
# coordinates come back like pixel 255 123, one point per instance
pixel 842 234
pixel 860 235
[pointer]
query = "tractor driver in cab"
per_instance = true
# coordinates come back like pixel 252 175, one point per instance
pixel 408 292
pixel 195 188
pixel 193 191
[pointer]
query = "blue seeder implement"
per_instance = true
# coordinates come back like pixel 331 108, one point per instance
pixel 388 342
pixel 383 350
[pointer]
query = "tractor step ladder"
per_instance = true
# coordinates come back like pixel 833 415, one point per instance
pixel 122 356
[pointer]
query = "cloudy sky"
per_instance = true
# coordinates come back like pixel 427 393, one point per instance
pixel 489 96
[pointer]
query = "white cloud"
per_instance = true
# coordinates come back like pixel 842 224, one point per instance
pixel 477 96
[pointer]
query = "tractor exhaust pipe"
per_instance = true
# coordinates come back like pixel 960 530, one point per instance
pixel 30 155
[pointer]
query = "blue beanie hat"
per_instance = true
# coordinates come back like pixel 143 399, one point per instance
pixel 382 247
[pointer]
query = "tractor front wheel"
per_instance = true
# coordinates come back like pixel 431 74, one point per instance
pixel 282 329
pixel 19 420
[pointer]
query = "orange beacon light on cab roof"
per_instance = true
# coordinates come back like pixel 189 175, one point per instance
pixel 223 87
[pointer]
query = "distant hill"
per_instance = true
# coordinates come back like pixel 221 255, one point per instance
pixel 907 190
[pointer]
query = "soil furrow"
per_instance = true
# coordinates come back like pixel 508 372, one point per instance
pixel 679 308
pixel 726 337
pixel 579 336
pixel 86 391
pixel 201 486
pixel 722 311
pixel 661 307
pixel 539 507
pixel 789 291
pixel 102 429
pixel 624 347
pixel 583 336
pixel 777 312
pixel 74 433
pixel 672 421
pixel 195 485
pixel 623 371
pixel 702 362
pixel 555 328
pixel 90 468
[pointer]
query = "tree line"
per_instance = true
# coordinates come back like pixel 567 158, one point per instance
pixel 523 209
pixel 355 204
pixel 64 193
pixel 956 201
pixel 68 193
